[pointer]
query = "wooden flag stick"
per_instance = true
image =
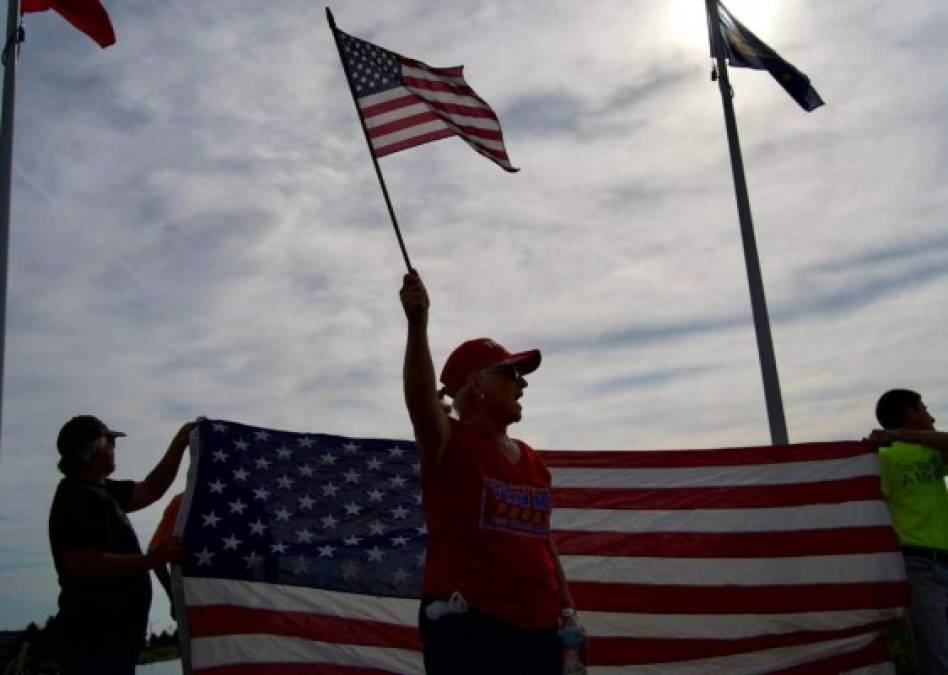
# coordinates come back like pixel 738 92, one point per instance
pixel 365 130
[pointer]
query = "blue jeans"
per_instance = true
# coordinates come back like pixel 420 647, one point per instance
pixel 928 613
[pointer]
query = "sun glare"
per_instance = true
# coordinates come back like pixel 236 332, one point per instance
pixel 686 23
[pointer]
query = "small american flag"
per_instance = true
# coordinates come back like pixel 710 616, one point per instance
pixel 405 103
pixel 305 554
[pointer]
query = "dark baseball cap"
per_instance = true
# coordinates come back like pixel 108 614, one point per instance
pixel 81 430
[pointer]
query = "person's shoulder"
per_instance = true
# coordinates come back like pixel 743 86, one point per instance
pixel 119 490
pixel 68 489
pixel 526 446
pixel 460 434
pixel 906 451
pixel 72 499
pixel 533 457
pixel 907 447
pixel 60 496
pixel 890 450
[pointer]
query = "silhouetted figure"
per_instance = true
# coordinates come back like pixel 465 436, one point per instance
pixel 105 592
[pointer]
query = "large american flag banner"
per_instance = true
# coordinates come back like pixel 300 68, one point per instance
pixel 306 552
pixel 405 102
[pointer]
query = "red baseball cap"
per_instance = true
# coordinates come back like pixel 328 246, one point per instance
pixel 473 356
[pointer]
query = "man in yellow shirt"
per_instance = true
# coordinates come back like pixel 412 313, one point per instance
pixel 912 467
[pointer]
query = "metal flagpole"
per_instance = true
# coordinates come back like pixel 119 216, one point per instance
pixel 14 37
pixel 365 130
pixel 765 347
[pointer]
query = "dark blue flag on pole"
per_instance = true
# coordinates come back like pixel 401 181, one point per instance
pixel 743 49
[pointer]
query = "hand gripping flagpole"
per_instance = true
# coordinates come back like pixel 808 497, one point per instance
pixel 11 46
pixel 368 140
pixel 765 346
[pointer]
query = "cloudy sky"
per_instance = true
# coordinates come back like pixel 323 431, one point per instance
pixel 197 229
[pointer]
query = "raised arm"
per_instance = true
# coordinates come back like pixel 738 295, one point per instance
pixel 937 440
pixel 428 418
pixel 159 479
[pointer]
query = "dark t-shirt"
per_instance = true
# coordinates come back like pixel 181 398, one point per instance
pixel 92 516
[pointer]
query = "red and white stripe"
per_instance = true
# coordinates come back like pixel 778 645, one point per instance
pixel 434 103
pixel 253 628
pixel 743 560
pixel 739 561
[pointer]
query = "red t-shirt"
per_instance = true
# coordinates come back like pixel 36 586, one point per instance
pixel 488 526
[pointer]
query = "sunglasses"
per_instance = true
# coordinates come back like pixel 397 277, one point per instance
pixel 506 369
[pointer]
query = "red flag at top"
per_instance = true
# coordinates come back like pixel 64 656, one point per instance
pixel 89 16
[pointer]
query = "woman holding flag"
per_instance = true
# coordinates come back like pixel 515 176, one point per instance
pixel 494 591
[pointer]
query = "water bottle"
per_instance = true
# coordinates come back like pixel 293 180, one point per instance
pixel 574 644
